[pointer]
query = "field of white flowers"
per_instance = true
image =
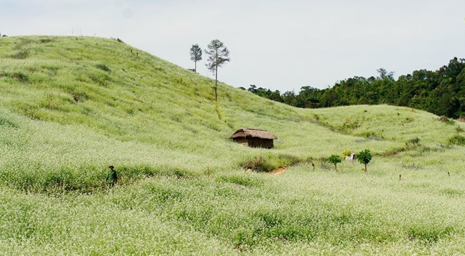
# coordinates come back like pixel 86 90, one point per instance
pixel 72 106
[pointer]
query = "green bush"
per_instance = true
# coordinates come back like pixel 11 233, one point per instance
pixel 335 159
pixel 457 140
pixel 270 162
pixel 103 67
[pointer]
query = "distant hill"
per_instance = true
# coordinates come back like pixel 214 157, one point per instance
pixel 440 92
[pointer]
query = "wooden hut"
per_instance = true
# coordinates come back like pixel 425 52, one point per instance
pixel 254 138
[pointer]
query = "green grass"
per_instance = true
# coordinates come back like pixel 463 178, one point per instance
pixel 71 106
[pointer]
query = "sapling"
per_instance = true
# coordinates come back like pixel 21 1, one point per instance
pixel 364 157
pixel 335 159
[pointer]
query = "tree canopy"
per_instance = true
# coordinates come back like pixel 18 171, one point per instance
pixel 440 92
pixel 196 54
pixel 218 54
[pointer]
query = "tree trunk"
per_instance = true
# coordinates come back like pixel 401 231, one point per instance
pixel 335 167
pixel 195 68
pixel 365 168
pixel 216 83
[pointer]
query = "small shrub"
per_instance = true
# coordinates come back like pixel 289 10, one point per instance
pixel 317 117
pixel 46 40
pixel 446 120
pixel 103 67
pixel 270 162
pixel 457 140
pixel 346 153
pixel 408 120
pixel 393 152
pixel 414 141
pixel 350 125
pixel 451 122
pixel 459 129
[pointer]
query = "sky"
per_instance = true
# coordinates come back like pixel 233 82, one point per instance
pixel 280 45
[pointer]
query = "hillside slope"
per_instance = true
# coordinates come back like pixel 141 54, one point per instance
pixel 103 88
pixel 71 106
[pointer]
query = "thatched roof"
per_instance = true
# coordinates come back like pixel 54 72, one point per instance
pixel 254 133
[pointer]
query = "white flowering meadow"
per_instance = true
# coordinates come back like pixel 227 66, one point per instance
pixel 72 106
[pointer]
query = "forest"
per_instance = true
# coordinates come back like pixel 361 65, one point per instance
pixel 441 92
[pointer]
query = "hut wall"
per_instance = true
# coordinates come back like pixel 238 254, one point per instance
pixel 243 141
pixel 260 143
pixel 255 142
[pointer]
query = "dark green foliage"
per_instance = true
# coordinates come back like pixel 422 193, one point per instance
pixel 7 123
pixel 438 92
pixel 335 159
pixel 457 140
pixel 266 93
pixel 428 234
pixel 103 67
pixel 364 157
pixel 270 162
pixel 196 55
pixel 46 40
pixel 414 141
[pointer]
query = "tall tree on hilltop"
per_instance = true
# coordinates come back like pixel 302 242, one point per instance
pixel 196 55
pixel 217 56
pixel 383 74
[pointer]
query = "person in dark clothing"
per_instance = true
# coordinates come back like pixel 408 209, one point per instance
pixel 112 177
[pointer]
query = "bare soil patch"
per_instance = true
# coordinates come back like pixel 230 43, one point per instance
pixel 279 170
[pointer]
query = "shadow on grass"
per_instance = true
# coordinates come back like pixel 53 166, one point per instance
pixel 67 180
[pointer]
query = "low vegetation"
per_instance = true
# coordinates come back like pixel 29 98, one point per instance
pixel 72 106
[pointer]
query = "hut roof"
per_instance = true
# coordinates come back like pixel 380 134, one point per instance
pixel 255 133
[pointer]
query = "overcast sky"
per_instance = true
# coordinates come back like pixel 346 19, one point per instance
pixel 281 45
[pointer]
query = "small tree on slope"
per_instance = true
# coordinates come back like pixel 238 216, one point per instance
pixel 335 159
pixel 364 157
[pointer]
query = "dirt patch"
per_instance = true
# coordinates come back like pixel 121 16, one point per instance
pixel 443 119
pixel 279 170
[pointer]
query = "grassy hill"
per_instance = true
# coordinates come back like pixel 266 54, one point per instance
pixel 71 106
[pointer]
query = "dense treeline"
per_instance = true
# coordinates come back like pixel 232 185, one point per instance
pixel 441 92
